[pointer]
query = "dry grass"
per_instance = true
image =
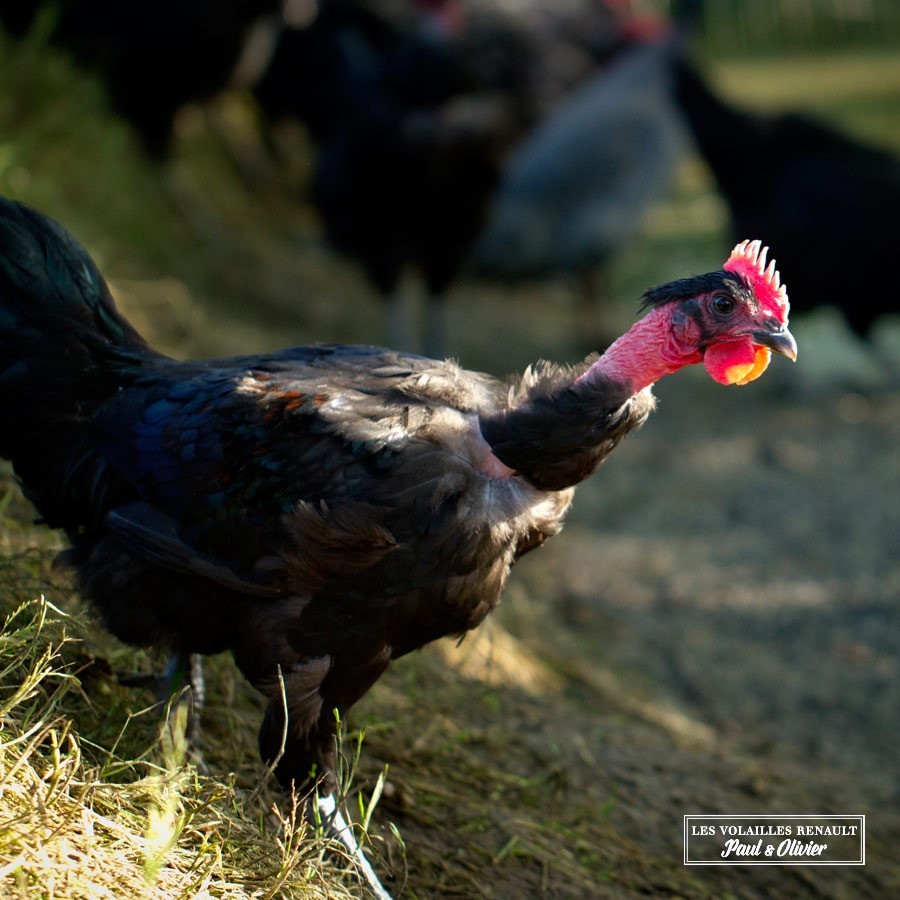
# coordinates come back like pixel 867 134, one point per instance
pixel 81 818
pixel 99 800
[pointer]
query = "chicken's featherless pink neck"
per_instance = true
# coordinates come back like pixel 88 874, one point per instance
pixel 555 432
pixel 657 345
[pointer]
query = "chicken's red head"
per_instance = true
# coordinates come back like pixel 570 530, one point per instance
pixel 738 358
pixel 731 321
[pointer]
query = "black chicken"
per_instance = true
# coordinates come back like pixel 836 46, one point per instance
pixel 806 186
pixel 575 190
pixel 153 58
pixel 408 147
pixel 324 510
pixel 415 115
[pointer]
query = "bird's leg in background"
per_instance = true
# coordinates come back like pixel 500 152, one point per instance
pixel 435 328
pixel 174 675
pixel 334 823
pixel 596 317
pixel 398 329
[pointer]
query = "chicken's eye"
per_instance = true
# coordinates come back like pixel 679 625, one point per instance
pixel 723 304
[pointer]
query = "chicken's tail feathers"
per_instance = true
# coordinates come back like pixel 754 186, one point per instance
pixel 64 350
pixel 48 282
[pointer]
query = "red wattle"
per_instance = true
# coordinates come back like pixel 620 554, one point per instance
pixel 736 362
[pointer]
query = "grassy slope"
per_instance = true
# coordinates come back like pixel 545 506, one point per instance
pixel 495 779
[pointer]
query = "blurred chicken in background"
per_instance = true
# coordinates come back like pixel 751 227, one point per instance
pixel 553 124
pixel 809 188
pixel 518 139
pixel 576 189
pixel 153 58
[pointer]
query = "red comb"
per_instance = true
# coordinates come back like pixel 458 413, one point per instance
pixel 748 259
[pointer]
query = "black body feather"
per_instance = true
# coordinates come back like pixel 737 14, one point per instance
pixel 317 512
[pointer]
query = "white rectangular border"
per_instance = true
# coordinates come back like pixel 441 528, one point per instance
pixel 744 862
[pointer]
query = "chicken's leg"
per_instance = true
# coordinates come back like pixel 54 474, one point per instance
pixel 335 823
